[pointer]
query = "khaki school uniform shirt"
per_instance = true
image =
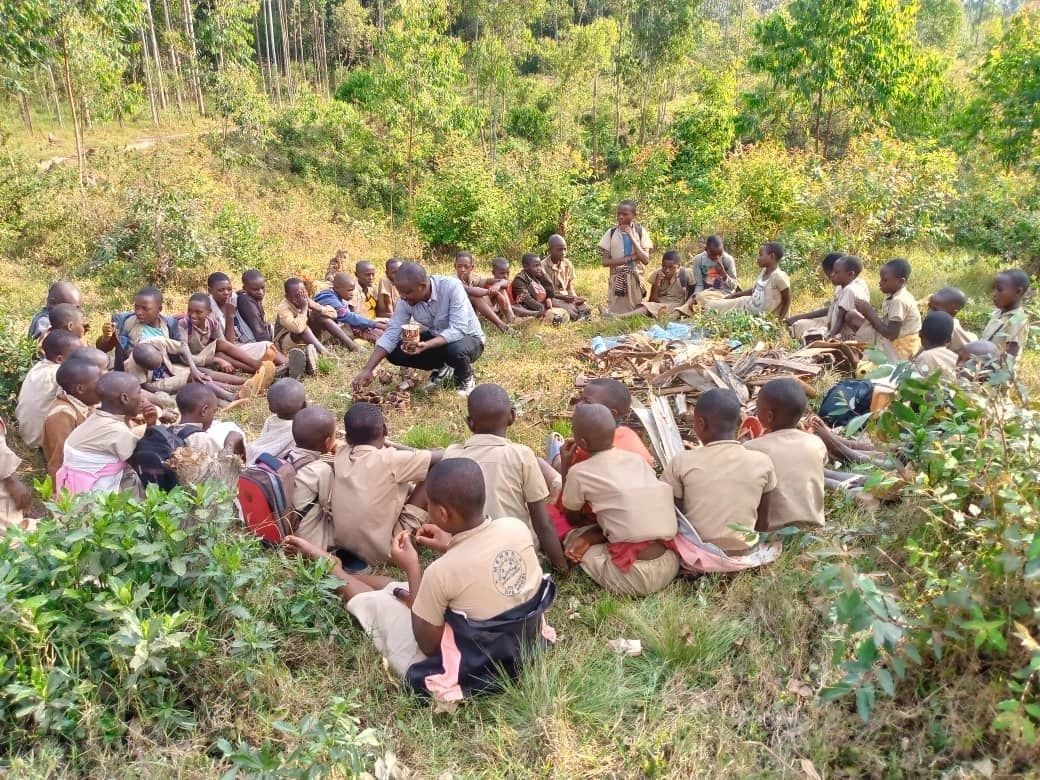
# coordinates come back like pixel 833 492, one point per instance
pixel 289 319
pixel 177 375
pixel 902 306
pixel 721 485
pixel 387 289
pixel 561 276
pixel 798 460
pixel 512 478
pixel 673 292
pixel 10 515
pixel 275 439
pixel 937 359
pixel 104 433
pixel 484 572
pixel 765 297
pixel 65 415
pixel 368 494
pixel 845 300
pixel 630 503
pixel 613 242
pixel 1007 327
pixel 311 497
pixel 39 389
pixel 961 337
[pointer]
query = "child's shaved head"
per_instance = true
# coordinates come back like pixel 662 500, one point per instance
pixel 59 344
pixel 75 374
pixel 594 425
pixel 936 329
pixel 948 299
pixel 612 393
pixel 193 397
pixel 719 413
pixel 457 484
pixel 147 355
pixel 490 410
pixel 252 276
pixel 781 404
pixel 120 393
pixel 313 427
pixel 286 397
pixel 364 424
pixel 63 292
pixel 91 355
pixel 66 316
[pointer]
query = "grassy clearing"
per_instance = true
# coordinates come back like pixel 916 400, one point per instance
pixel 726 685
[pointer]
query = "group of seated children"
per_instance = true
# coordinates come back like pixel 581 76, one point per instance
pixel 543 290
pixel 936 342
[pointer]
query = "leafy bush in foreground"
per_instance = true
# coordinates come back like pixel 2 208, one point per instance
pixel 17 354
pixel 958 588
pixel 141 612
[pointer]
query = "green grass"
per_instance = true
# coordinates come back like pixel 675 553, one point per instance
pixel 716 692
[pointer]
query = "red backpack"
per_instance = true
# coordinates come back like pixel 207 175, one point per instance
pixel 265 492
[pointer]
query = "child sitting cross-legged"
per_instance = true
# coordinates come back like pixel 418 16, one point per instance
pixel 627 550
pixel 798 457
pixel 96 452
pixel 379 489
pixel 935 355
pixel 314 431
pixel 285 399
pixel 771 293
pixel 898 325
pixel 40 386
pixel 668 286
pixel 532 290
pixel 475 614
pixel 76 400
pixel 513 479
pixel 748 476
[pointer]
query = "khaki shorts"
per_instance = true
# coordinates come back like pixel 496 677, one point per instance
pixel 642 579
pixel 410 519
pixel 389 623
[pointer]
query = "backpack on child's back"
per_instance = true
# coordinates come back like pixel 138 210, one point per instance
pixel 265 493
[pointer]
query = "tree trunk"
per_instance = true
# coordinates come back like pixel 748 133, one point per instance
pixel 196 80
pixel 70 93
pixel 298 39
pixel 286 58
pixel 595 121
pixel 325 55
pixel 617 84
pixel 23 101
pixel 175 62
pixel 818 118
pixel 264 75
pixel 54 94
pixel 157 57
pixel 148 78
pixel 272 56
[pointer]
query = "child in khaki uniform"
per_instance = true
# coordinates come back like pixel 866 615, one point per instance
pixel 149 363
pixel 386 294
pixel 771 293
pixel 40 386
pixel 486 568
pixel 951 300
pixel 626 551
pixel 625 250
pixel 668 286
pixel 14 495
pixel 798 457
pixel 489 297
pixel 1008 326
pixel 299 320
pixel 373 496
pixel 97 451
pixel 695 477
pixel 512 477
pixel 314 430
pixel 210 347
pixel 845 322
pixel 815 323
pixel 936 331
pixel 285 399
pixel 76 400
pixel 899 323
pixel 560 271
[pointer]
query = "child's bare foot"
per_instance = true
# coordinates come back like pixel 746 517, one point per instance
pixel 223 366
pixel 304 547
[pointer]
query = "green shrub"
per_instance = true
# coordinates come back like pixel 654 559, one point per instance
pixel 530 123
pixel 141 612
pixel 17 354
pixel 998 211
pixel 956 588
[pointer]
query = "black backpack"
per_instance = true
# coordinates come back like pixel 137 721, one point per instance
pixel 154 449
pixel 846 401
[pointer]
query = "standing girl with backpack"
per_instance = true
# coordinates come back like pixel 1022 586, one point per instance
pixel 625 250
